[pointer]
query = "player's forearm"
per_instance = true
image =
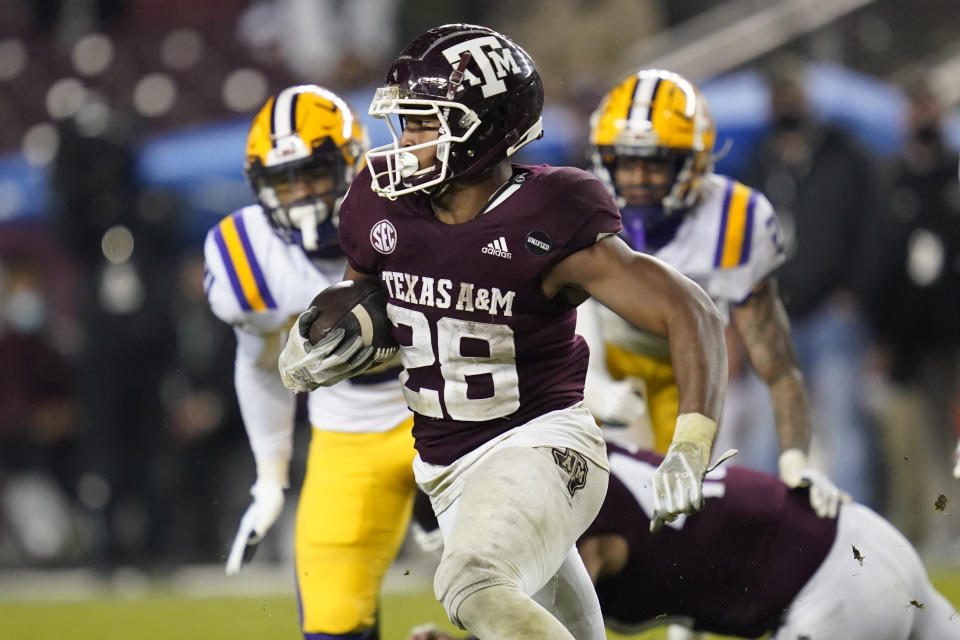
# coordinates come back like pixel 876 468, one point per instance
pixel 765 330
pixel 699 355
pixel 654 296
pixel 267 409
pixel 791 411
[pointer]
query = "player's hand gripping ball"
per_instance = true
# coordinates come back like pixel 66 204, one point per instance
pixel 344 332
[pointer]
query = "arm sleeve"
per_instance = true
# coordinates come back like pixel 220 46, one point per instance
pixel 266 406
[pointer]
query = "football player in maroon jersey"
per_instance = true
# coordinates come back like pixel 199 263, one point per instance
pixel 757 560
pixel 483 263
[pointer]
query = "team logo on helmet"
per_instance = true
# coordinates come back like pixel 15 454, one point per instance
pixel 494 63
pixel 484 91
pixel 383 237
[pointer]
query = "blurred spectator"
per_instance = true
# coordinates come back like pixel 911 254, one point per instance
pixel 324 39
pixel 918 320
pixel 123 239
pixel 205 445
pixel 828 202
pixel 37 420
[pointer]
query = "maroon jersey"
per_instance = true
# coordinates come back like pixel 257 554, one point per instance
pixel 734 568
pixel 483 349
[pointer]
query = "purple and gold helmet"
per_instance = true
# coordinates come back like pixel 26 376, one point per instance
pixel 300 130
pixel 484 89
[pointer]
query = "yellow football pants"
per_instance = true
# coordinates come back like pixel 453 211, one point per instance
pixel 354 509
pixel 663 399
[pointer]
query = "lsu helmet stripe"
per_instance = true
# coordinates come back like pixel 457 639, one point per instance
pixel 641 106
pixel 244 271
pixel 736 226
pixel 283 117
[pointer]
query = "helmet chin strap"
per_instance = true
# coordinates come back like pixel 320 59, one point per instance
pixel 307 217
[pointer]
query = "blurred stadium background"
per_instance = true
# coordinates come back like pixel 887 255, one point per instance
pixel 123 465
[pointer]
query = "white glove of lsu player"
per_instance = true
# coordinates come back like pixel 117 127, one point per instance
pixel 267 504
pixel 304 366
pixel 825 497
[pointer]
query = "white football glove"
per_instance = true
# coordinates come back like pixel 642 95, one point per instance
pixel 678 482
pixel 267 504
pixel 825 497
pixel 956 461
pixel 304 366
pixel 614 401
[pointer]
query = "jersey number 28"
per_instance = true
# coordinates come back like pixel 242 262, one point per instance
pixel 457 369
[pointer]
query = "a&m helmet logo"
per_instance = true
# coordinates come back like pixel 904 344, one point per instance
pixel 383 237
pixel 495 62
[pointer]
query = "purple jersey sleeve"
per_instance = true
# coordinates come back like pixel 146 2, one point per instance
pixel 733 568
pixel 483 349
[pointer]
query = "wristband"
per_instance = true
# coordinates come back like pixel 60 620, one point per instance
pixel 696 428
pixel 276 469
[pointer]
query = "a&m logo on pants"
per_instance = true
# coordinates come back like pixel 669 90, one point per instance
pixel 575 465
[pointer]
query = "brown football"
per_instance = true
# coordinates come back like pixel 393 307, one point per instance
pixel 359 307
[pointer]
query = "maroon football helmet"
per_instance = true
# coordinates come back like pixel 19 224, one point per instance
pixel 483 87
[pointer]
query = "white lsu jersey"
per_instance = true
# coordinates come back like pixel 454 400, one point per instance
pixel 259 284
pixel 728 243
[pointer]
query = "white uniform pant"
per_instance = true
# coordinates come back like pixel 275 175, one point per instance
pixel 515 523
pixel 878 600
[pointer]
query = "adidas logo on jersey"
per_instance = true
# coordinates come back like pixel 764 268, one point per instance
pixel 498 248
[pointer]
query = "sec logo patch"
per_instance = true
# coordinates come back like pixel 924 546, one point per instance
pixel 383 237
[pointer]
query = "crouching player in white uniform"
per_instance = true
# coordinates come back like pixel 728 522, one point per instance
pixel 483 263
pixel 653 138
pixel 264 265
pixel 757 560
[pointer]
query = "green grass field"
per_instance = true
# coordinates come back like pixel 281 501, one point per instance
pixel 168 616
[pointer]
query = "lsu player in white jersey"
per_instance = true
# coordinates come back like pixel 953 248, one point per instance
pixel 652 141
pixel 265 263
